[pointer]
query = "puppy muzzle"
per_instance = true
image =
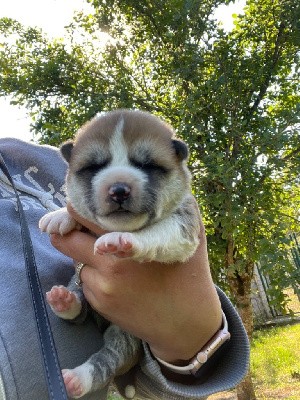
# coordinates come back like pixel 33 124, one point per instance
pixel 119 192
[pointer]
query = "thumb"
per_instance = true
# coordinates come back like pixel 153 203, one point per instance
pixel 77 245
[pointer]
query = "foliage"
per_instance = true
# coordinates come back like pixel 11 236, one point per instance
pixel 233 96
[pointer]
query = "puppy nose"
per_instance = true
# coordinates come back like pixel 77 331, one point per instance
pixel 119 192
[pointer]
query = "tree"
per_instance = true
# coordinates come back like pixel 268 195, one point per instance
pixel 233 96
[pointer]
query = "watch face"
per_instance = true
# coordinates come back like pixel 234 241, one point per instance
pixel 216 342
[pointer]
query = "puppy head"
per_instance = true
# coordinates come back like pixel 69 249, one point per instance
pixel 126 170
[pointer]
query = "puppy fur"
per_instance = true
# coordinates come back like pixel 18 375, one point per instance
pixel 128 174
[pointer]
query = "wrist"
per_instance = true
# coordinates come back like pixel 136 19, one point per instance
pixel 181 344
pixel 200 358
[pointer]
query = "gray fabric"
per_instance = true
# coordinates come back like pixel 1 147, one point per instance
pixel 39 174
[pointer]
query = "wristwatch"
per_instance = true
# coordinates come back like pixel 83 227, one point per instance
pixel 204 354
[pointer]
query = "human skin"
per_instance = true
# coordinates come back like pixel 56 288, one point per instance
pixel 173 307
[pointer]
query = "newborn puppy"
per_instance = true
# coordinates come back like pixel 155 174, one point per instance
pixel 128 174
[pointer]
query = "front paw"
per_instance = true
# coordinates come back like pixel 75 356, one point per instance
pixel 58 221
pixel 119 244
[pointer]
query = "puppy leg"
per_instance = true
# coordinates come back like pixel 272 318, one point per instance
pixel 163 241
pixel 64 303
pixel 119 353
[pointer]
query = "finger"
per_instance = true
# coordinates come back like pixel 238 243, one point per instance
pixel 89 293
pixel 79 246
pixel 89 225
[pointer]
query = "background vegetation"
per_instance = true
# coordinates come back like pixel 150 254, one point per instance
pixel 233 96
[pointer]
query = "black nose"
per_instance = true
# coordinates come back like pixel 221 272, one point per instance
pixel 119 192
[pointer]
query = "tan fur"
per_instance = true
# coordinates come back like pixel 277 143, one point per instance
pixel 141 131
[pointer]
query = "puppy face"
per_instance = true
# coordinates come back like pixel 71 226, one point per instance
pixel 126 170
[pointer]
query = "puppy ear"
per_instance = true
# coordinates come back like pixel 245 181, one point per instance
pixel 66 150
pixel 181 149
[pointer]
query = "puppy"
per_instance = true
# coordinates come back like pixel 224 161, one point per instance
pixel 128 174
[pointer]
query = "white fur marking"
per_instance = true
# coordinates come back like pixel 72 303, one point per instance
pixel 117 146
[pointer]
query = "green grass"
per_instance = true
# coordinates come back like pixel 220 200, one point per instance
pixel 114 397
pixel 275 355
pixel 275 364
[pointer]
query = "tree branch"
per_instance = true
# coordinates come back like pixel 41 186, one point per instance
pixel 291 154
pixel 265 84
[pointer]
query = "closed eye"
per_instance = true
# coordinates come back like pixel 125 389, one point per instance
pixel 148 166
pixel 93 168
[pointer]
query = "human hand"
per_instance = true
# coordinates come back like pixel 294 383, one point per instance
pixel 172 307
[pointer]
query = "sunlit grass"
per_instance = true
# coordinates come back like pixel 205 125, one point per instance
pixel 114 397
pixel 275 355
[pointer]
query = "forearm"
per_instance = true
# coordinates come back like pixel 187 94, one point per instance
pixel 191 325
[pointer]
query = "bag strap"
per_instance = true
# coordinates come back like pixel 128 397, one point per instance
pixel 55 384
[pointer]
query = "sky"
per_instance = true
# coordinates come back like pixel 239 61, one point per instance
pixel 52 16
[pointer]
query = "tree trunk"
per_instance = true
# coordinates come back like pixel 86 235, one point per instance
pixel 245 390
pixel 240 287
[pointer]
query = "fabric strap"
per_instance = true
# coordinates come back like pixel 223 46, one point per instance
pixel 54 380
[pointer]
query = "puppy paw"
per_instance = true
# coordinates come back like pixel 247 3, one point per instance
pixel 78 381
pixel 119 244
pixel 63 302
pixel 58 221
pixel 130 391
pixel 73 384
